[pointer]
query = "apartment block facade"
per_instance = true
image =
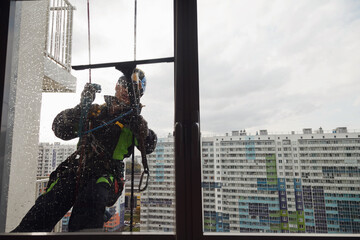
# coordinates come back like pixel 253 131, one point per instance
pixel 51 155
pixel 299 183
pixel 158 200
pixel 305 182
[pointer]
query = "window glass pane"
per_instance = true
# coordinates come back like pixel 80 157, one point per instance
pixel 42 155
pixel 279 114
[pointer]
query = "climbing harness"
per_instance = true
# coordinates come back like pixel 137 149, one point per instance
pixel 85 107
pixel 109 122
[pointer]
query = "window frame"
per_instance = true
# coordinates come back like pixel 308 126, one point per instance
pixel 187 139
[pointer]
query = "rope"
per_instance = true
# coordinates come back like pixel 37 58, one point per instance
pixel 135 14
pixel 132 184
pixel 107 123
pixel 89 49
pixel 132 172
pixel 85 106
pixel 133 141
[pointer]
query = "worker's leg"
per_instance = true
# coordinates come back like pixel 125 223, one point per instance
pixel 50 207
pixel 89 207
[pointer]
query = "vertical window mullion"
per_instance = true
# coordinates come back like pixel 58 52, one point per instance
pixel 187 122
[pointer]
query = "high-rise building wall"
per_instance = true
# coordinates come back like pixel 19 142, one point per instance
pixel 114 222
pixel 158 200
pixel 282 183
pixel 65 222
pixel 308 182
pixel 51 155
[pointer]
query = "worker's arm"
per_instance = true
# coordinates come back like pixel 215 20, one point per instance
pixel 66 123
pixel 142 129
pixel 150 141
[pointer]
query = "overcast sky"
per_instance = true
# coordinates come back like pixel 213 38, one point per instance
pixel 276 65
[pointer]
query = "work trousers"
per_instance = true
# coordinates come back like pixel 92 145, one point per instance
pixel 88 206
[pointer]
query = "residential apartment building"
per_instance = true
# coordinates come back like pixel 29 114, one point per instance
pixel 305 182
pixel 51 155
pixel 115 224
pixel 158 200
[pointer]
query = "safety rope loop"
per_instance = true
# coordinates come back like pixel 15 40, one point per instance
pixel 146 171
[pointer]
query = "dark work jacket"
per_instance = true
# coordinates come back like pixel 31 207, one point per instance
pixel 97 148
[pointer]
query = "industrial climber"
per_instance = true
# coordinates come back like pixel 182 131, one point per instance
pixel 92 177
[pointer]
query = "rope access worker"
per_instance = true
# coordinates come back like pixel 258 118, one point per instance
pixel 99 183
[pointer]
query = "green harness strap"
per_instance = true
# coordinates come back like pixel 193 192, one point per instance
pixel 100 180
pixel 51 186
pixel 105 180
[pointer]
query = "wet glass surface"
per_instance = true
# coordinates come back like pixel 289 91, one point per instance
pixel 49 37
